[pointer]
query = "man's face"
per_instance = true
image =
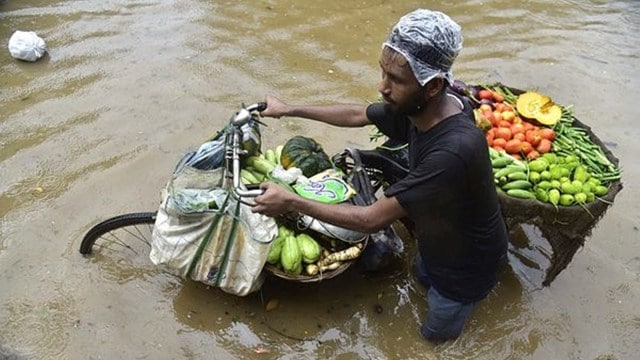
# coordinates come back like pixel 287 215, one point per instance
pixel 399 88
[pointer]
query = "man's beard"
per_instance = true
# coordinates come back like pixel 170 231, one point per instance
pixel 415 105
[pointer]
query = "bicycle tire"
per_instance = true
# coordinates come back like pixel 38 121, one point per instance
pixel 125 221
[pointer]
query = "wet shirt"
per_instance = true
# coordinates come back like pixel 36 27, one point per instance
pixel 450 195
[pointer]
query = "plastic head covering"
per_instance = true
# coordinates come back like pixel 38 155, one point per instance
pixel 430 41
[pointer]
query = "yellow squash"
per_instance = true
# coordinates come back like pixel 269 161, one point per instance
pixel 539 107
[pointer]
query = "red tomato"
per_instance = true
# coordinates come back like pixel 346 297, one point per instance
pixel 497 97
pixel 525 147
pixel 533 137
pixel 533 155
pixel 513 146
pixel 505 124
pixel 503 133
pixel 499 142
pixel 517 128
pixel 544 146
pixel 485 94
pixel 519 136
pixel 498 106
pixel 547 133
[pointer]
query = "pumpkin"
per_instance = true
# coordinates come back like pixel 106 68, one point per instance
pixel 539 107
pixel 306 154
pixel 549 114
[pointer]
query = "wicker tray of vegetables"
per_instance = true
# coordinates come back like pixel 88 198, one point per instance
pixel 550 169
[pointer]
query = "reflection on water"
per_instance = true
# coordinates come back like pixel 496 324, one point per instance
pixel 94 129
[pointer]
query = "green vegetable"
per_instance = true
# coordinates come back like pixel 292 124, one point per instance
pixel 517 184
pixel 542 195
pixel 508 170
pixel 309 248
pixel 520 193
pixel 501 162
pixel 566 199
pixel 276 249
pixel 290 256
pixel 306 154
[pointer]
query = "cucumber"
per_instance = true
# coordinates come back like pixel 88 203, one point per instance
pixel 517 184
pixel 270 155
pixel 501 162
pixel 522 194
pixel 508 170
pixel 517 176
pixel 248 177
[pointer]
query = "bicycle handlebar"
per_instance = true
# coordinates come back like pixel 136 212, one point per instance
pixel 242 117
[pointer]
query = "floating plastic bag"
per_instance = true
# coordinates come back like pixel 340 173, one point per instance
pixel 27 46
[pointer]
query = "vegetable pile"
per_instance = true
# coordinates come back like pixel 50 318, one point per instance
pixel 294 252
pixel 537 152
pixel 301 253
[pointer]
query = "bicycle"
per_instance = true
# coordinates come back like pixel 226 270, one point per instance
pixel 130 234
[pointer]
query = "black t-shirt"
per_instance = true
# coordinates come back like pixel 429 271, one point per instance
pixel 450 195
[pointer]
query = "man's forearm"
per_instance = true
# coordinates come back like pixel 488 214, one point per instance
pixel 343 215
pixel 339 115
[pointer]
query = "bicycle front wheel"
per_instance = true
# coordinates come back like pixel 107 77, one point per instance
pixel 123 235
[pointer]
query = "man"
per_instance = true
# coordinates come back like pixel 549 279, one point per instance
pixel 449 192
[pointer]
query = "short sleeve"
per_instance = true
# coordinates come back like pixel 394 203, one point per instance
pixel 393 125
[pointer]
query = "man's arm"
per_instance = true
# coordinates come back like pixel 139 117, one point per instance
pixel 369 219
pixel 342 115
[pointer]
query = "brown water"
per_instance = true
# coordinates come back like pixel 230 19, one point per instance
pixel 128 86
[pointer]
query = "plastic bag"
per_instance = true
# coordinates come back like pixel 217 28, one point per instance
pixel 27 46
pixel 327 187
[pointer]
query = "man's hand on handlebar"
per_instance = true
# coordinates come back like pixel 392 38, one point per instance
pixel 274 201
pixel 275 107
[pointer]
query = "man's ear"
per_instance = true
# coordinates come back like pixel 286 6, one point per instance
pixel 434 86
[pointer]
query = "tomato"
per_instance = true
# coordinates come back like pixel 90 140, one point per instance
pixel 503 133
pixel 527 125
pixel 516 156
pixel 490 135
pixel 507 107
pixel 498 106
pixel 533 137
pixel 497 97
pixel 499 142
pixel 519 136
pixel 508 115
pixel 525 147
pixel 505 124
pixel 485 94
pixel 485 107
pixel 544 146
pixel 513 146
pixel 533 155
pixel 547 133
pixel 497 148
pixel 497 115
pixel 517 128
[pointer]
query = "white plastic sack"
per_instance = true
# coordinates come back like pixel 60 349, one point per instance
pixel 224 246
pixel 26 45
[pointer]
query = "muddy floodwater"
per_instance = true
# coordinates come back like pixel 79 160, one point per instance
pixel 94 129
